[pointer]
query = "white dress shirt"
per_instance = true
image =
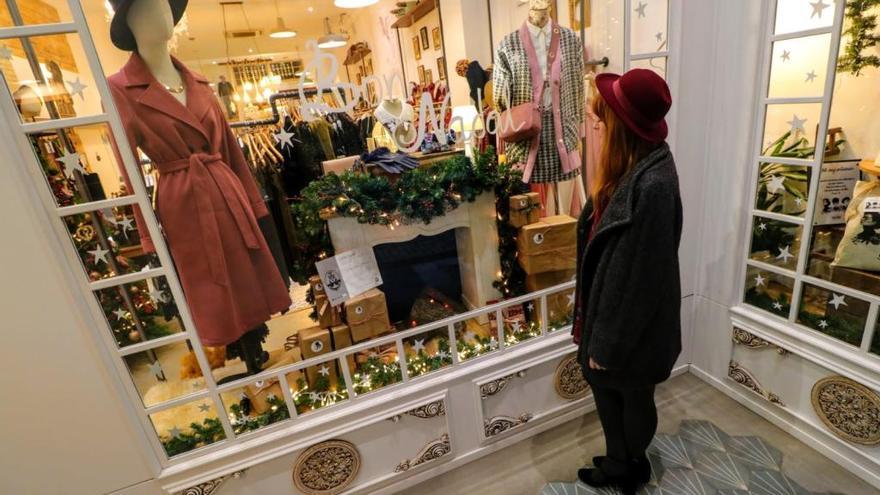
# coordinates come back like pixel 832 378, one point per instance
pixel 541 38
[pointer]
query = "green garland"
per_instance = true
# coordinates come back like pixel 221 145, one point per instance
pixel 862 37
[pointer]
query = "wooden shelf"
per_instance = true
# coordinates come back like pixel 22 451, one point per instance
pixel 413 16
pixel 870 167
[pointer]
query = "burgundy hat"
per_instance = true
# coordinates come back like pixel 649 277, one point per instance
pixel 120 33
pixel 641 99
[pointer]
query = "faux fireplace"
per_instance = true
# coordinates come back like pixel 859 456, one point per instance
pixel 476 240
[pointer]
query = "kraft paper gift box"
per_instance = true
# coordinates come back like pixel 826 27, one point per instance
pixel 341 339
pixel 525 209
pixel 317 286
pixel 367 315
pixel 558 303
pixel 328 315
pixel 548 245
pixel 315 342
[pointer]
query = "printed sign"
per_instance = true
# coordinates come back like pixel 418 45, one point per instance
pixel 836 186
pixel 349 274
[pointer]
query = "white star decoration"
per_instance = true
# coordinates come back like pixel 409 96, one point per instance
pixel 284 138
pixel 798 201
pixel 175 432
pixel 470 335
pixel 811 76
pixel 785 254
pixel 271 397
pixel 777 306
pixel 120 314
pixel 493 344
pixel 659 36
pixel 77 88
pixel 100 255
pixel 823 324
pixel 818 8
pixel 419 346
pixel 760 280
pixel 797 124
pixel 837 300
pixel 313 397
pixel 71 164
pixel 157 295
pixel 443 355
pixel 786 55
pixel 204 407
pixel 531 306
pixel 570 297
pixel 156 369
pixel 126 223
pixel 641 9
pixel 762 226
pixel 776 184
pixel 5 53
pixel 324 370
pixel 516 326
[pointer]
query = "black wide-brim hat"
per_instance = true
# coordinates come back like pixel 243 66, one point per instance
pixel 120 33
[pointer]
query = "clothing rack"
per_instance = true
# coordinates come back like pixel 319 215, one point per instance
pixel 276 114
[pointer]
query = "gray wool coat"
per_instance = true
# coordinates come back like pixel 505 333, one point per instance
pixel 628 284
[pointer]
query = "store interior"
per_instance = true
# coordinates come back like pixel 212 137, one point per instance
pixel 368 135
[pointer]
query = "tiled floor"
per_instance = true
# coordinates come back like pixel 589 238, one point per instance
pixel 555 455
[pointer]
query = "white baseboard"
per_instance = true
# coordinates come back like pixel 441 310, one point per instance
pixel 820 440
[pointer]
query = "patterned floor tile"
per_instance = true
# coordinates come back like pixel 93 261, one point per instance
pixel 684 482
pixel 723 471
pixel 704 434
pixel 774 483
pixel 674 451
pixel 756 452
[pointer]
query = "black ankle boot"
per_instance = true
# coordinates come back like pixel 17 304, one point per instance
pixel 596 478
pixel 641 469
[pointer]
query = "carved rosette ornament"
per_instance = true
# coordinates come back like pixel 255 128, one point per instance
pixel 745 378
pixel 751 341
pixel 849 409
pixel 500 424
pixel 434 450
pixel 210 487
pixel 570 381
pixel 496 386
pixel 428 411
pixel 327 468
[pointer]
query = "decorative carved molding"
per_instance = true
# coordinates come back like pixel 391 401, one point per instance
pixel 751 341
pixel 434 450
pixel 428 411
pixel 327 468
pixel 745 378
pixel 849 409
pixel 500 424
pixel 496 386
pixel 211 487
pixel 569 379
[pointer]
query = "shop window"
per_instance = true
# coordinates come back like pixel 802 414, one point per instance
pixel 29 12
pixel 48 77
pixel 656 64
pixel 428 352
pixel 817 187
pixel 255 406
pixel 322 392
pixel 375 369
pixel 875 342
pixel 649 24
pixel 141 311
pixel 165 373
pixel 188 427
pixel 108 242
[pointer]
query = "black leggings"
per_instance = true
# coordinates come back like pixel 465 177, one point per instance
pixel 629 419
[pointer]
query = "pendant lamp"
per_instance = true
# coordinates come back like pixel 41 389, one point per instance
pixel 331 39
pixel 281 31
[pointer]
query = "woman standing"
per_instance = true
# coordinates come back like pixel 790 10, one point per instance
pixel 627 323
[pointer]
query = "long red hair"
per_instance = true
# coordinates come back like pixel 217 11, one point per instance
pixel 621 150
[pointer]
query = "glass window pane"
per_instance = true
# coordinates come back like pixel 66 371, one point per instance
pixel 783 189
pixel 875 342
pixel 427 352
pixel 475 338
pixel 839 316
pixel 375 369
pixel 768 291
pixel 108 242
pixel 48 77
pixel 775 242
pixel 255 406
pixel 790 130
pixel 656 64
pixel 188 427
pixel 165 373
pixel 80 164
pixel 140 311
pixel 648 26
pixel 799 66
pixel 27 12
pixel 800 15
pixel 321 393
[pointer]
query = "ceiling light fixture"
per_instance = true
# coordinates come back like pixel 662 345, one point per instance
pixel 354 4
pixel 281 31
pixel 331 39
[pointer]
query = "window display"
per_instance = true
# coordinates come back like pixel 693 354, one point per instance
pixel 201 172
pixel 813 257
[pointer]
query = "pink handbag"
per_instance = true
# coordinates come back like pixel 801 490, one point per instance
pixel 523 121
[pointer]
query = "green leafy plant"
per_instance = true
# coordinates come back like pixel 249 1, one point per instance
pixel 861 36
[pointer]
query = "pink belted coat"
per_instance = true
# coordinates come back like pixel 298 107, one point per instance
pixel 207 202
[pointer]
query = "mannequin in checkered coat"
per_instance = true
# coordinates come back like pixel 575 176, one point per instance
pixel 557 156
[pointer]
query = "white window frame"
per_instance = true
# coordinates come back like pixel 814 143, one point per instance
pixel 836 354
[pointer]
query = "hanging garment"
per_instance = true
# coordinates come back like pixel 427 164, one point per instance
pixel 207 202
pixel 517 72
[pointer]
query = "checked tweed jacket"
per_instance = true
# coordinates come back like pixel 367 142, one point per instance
pixel 512 80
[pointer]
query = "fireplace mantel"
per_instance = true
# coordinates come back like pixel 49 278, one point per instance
pixel 476 239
